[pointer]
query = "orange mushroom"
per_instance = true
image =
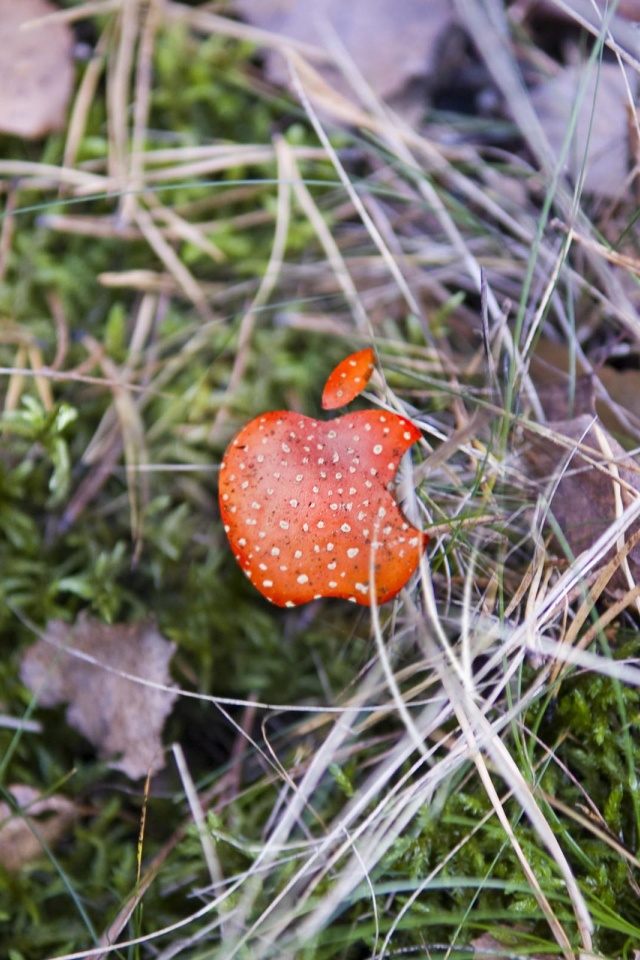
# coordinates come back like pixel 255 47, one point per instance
pixel 307 509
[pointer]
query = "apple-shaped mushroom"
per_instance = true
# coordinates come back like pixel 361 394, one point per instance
pixel 306 504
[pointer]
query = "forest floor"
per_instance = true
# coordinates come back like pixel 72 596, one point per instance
pixel 205 208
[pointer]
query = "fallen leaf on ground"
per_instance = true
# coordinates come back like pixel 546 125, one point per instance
pixel 624 8
pixel 391 41
pixel 600 140
pixel 591 480
pixel 565 392
pixel 36 67
pixel 553 13
pixel 486 947
pixel 40 823
pixel 119 716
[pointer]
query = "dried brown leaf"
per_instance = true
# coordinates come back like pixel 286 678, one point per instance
pixel 562 400
pixel 486 947
pixel 601 137
pixel 38 824
pixel 563 394
pixel 591 479
pixel 391 41
pixel 572 11
pixel 36 67
pixel 121 717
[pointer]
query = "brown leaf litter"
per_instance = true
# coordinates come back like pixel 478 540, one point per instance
pixel 589 479
pixel 597 100
pixel 391 42
pixel 37 824
pixel 107 675
pixel 36 69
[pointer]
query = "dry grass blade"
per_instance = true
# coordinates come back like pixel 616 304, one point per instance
pixel 172 262
pixel 207 22
pixel 44 176
pixel 120 69
pixel 133 440
pixel 286 175
pixel 481 737
pixel 85 96
pixel 391 263
pixel 331 249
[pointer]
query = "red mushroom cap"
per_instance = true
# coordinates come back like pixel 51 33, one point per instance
pixel 348 379
pixel 307 510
